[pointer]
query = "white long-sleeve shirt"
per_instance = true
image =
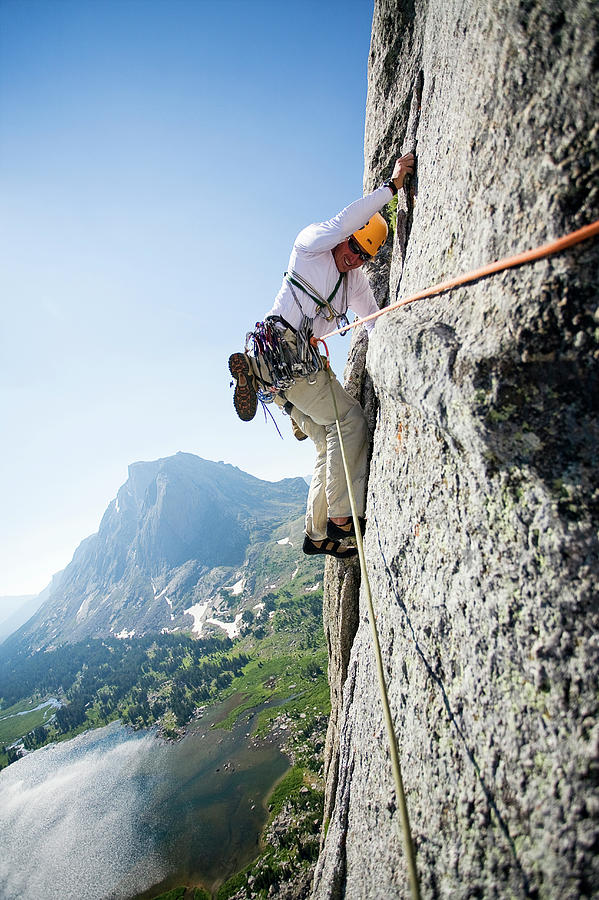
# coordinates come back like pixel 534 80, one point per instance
pixel 312 259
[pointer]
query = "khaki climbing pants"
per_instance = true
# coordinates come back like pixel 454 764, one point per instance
pixel 314 412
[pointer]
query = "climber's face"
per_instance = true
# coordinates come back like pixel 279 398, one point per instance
pixel 345 256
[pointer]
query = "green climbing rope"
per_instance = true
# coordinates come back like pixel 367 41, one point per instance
pixel 405 829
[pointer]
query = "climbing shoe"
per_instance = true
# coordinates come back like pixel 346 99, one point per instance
pixel 245 400
pixel 331 548
pixel 340 532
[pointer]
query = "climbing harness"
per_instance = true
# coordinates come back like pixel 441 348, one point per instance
pixel 325 307
pixel 406 832
pixel 508 262
pixel 278 363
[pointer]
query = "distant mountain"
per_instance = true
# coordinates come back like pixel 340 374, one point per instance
pixel 10 605
pixel 15 611
pixel 182 539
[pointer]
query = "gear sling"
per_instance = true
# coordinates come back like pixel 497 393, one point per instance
pixel 276 364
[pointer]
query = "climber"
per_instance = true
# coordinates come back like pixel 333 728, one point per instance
pixel 322 282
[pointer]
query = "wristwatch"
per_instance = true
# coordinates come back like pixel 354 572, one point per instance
pixel 391 184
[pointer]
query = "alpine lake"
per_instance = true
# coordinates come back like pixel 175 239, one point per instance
pixel 116 814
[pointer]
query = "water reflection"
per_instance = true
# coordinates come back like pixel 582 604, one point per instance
pixel 114 812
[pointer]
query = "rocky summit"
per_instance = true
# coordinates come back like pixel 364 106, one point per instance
pixel 482 506
pixel 184 540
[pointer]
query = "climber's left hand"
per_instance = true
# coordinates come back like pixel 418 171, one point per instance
pixel 403 166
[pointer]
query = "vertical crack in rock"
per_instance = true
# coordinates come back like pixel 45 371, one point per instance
pixel 340 616
pixel 406 198
pixel 331 870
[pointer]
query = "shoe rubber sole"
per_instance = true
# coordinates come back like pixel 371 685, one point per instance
pixel 245 400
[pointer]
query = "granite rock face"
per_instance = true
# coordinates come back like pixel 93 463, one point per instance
pixel 483 500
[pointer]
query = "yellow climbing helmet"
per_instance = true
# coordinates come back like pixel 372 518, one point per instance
pixel 373 235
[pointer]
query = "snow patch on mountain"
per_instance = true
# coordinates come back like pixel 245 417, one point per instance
pixel 197 611
pixel 233 629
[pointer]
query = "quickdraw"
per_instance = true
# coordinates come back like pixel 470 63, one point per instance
pixel 277 363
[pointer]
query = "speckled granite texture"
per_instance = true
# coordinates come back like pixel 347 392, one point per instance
pixel 483 502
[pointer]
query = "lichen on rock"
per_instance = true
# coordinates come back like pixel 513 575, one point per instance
pixel 483 509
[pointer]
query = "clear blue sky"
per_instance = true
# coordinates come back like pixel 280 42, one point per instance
pixel 157 159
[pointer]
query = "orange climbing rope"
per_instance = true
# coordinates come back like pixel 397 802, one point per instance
pixel 508 262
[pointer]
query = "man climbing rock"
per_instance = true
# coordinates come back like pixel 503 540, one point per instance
pixel 323 280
